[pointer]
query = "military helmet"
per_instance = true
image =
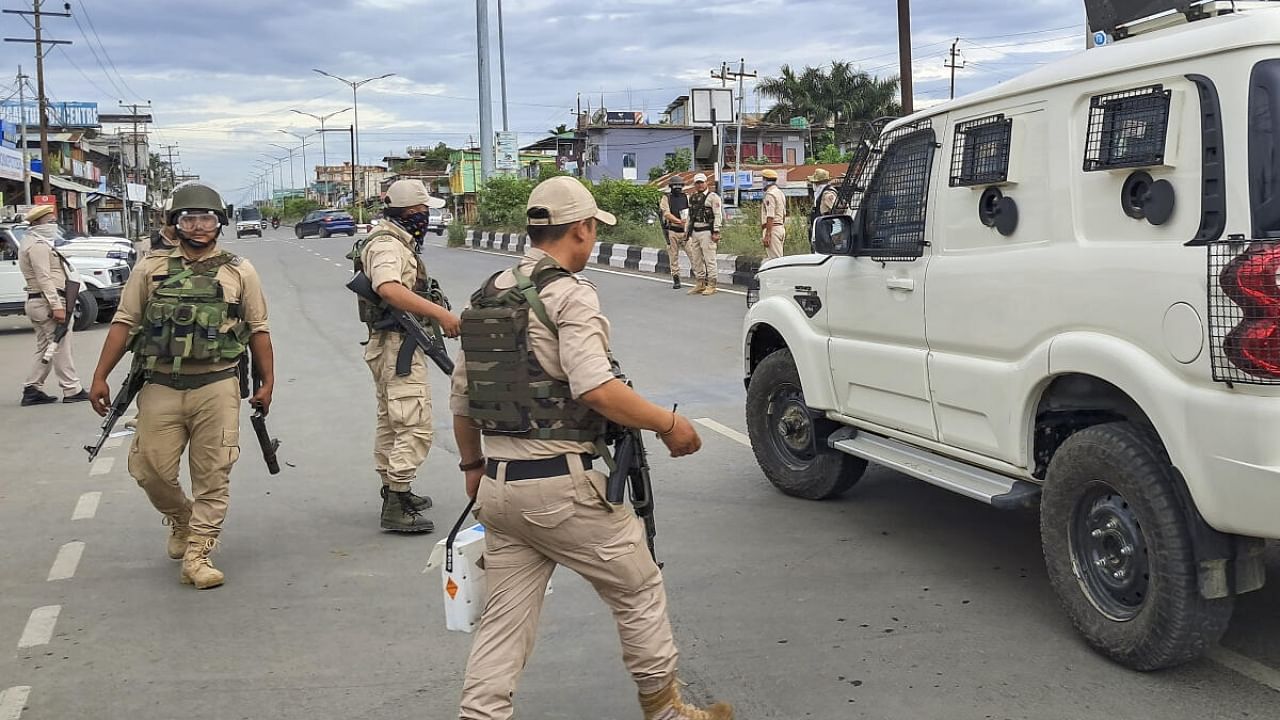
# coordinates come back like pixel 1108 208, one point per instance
pixel 676 181
pixel 196 197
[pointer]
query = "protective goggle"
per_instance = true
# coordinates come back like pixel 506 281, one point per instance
pixel 198 221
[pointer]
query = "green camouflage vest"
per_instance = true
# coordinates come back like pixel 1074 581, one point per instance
pixel 184 317
pixel 425 286
pixel 509 392
pixel 701 216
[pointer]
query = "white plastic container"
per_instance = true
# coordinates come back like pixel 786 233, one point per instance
pixel 462 581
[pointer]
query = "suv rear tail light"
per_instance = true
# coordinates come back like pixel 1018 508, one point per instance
pixel 1249 281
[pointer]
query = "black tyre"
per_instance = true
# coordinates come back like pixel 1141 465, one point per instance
pixel 324 234
pixel 1119 551
pixel 351 233
pixel 85 313
pixel 298 232
pixel 105 314
pixel 789 438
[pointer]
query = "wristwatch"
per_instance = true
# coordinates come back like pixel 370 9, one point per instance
pixel 473 465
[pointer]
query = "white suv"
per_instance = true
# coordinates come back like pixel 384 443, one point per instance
pixel 101 279
pixel 1061 293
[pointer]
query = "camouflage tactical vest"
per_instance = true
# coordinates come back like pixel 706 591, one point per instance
pixel 184 317
pixel 509 392
pixel 701 215
pixel 424 285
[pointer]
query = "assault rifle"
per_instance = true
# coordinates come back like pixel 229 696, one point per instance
pixel 416 336
pixel 70 294
pixel 268 444
pixel 631 468
pixel 132 384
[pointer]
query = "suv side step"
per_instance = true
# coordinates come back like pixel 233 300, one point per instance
pixel 992 488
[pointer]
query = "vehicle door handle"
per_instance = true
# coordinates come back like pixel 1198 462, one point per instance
pixel 907 284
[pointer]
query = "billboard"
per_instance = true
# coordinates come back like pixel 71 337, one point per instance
pixel 711 106
pixel 61 114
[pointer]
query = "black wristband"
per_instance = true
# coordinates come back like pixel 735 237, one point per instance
pixel 474 465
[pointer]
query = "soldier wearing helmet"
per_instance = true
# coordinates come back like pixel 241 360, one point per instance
pixel 674 210
pixel 773 216
pixel 188 314
pixel 404 432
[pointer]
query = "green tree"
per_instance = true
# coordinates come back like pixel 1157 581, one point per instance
pixel 679 161
pixel 559 129
pixel 841 98
pixel 656 172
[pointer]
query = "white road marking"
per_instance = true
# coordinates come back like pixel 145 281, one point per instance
pixel 1247 667
pixel 39 627
pixel 327 259
pixel 12 701
pixel 608 271
pixel 64 566
pixel 726 431
pixel 87 506
pixel 102 466
pixel 337 265
pixel 113 442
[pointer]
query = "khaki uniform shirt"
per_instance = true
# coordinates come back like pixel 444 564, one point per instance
pixel 580 356
pixel 774 206
pixel 388 256
pixel 42 268
pixel 826 199
pixel 240 284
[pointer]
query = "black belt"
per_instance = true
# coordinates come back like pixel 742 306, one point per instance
pixel 39 296
pixel 534 469
pixel 191 382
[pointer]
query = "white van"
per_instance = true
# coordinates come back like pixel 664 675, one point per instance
pixel 1061 293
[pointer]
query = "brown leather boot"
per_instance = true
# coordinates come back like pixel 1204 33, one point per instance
pixel 710 289
pixel 197 569
pixel 179 531
pixel 666 704
pixel 698 287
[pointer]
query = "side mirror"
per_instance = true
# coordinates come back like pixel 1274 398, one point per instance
pixel 833 235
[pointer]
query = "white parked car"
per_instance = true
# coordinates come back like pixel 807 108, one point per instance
pixel 101 279
pixel 116 248
pixel 1061 293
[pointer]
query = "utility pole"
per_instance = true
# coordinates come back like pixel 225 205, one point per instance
pixel 40 41
pixel 904 56
pixel 173 169
pixel 737 155
pixel 486 95
pixel 951 63
pixel 718 127
pixel 502 67
pixel 133 111
pixel 22 137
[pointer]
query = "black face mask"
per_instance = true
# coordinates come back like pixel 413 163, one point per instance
pixel 415 223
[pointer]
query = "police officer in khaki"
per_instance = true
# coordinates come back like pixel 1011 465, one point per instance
pixel 45 272
pixel 773 216
pixel 528 409
pixel 673 207
pixel 189 314
pixel 824 193
pixel 404 433
pixel 706 218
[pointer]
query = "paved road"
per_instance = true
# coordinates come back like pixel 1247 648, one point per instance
pixel 897 601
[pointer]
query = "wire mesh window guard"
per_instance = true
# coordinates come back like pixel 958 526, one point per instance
pixel 893 209
pixel 980 151
pixel 1244 311
pixel 1127 129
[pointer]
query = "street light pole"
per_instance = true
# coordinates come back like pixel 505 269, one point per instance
pixel 355 108
pixel 306 174
pixel 502 68
pixel 486 95
pixel 293 181
pixel 324 150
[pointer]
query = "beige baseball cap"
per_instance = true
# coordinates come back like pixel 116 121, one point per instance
pixel 38 212
pixel 820 175
pixel 566 200
pixel 407 193
pixel 700 177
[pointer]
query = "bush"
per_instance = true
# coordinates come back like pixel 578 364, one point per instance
pixel 501 202
pixel 627 200
pixel 457 234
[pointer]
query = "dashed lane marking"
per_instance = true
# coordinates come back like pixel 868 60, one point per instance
pixel 1247 667
pixel 102 466
pixel 87 506
pixel 724 430
pixel 40 626
pixel 12 701
pixel 64 566
pixel 337 265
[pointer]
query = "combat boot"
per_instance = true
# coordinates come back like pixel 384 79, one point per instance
pixel 666 704
pixel 179 532
pixel 197 569
pixel 710 289
pixel 419 502
pixel 32 395
pixel 698 287
pixel 399 515
pixel 675 282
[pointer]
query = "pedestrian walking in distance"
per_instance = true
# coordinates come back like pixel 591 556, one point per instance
pixel 674 208
pixel 45 271
pixel 189 314
pixel 706 218
pixel 773 216
pixel 527 454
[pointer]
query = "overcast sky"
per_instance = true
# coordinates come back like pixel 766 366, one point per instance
pixel 223 76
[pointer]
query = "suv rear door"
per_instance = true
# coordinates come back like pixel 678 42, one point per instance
pixel 12 284
pixel 878 354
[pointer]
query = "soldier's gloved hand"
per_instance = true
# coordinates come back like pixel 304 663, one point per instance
pixel 100 397
pixel 450 325
pixel 683 439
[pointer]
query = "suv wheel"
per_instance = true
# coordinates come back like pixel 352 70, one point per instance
pixel 297 230
pixel 1119 551
pixel 789 438
pixel 85 313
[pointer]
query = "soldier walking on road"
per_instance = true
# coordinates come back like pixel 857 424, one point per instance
pixel 706 217
pixel 673 207
pixel 404 433
pixel 773 216
pixel 45 271
pixel 189 314
pixel 537 494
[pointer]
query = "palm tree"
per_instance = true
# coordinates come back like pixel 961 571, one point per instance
pixel 840 100
pixel 559 129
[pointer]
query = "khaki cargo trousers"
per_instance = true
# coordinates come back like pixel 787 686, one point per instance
pixel 63 367
pixel 702 255
pixel 531 526
pixel 207 419
pixel 675 243
pixel 403 435
pixel 777 239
